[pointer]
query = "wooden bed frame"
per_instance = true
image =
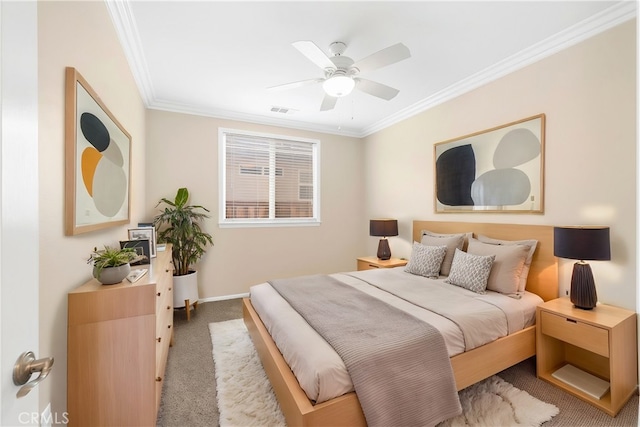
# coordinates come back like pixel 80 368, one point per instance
pixel 469 367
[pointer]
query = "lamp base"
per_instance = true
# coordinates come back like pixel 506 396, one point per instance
pixel 583 288
pixel 384 251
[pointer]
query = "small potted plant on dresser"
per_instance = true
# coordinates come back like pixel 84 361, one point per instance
pixel 179 224
pixel 111 265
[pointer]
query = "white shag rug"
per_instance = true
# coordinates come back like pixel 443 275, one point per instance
pixel 243 391
pixel 245 397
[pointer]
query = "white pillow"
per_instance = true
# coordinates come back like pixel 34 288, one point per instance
pixel 531 244
pixel 425 260
pixel 470 271
pixel 451 241
pixel 507 266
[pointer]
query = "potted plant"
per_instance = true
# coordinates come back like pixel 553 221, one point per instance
pixel 111 265
pixel 179 225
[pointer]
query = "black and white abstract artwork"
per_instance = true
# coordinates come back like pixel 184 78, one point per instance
pixel 495 170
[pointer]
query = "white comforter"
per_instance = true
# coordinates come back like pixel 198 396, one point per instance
pixel 321 372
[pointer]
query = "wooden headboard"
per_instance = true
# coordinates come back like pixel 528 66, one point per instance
pixel 543 274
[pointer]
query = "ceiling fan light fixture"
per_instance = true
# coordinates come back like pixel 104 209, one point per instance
pixel 338 85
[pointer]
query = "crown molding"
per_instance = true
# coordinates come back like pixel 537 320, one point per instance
pixel 253 118
pixel 126 28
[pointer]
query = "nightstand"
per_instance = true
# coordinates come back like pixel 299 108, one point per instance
pixel 371 262
pixel 601 343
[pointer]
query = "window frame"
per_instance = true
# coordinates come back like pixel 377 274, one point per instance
pixel 224 222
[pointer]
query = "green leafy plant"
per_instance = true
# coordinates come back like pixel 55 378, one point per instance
pixel 111 257
pixel 178 224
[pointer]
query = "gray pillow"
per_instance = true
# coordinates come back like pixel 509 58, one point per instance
pixel 451 241
pixel 507 265
pixel 425 260
pixel 531 244
pixel 470 271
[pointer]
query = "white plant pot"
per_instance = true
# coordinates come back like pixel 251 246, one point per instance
pixel 185 288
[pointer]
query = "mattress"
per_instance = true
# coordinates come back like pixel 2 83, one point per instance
pixel 320 371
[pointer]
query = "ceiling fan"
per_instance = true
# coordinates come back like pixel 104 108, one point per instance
pixel 341 73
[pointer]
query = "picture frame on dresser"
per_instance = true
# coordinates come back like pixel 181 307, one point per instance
pixel 142 248
pixel 97 161
pixel 145 233
pixel 495 170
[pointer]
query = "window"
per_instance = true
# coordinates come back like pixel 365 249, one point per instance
pixel 268 179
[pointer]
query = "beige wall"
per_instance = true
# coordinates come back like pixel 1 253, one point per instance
pixel 182 151
pixel 588 93
pixel 79 35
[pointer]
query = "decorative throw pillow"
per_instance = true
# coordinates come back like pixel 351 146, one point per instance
pixel 531 244
pixel 507 265
pixel 470 271
pixel 451 241
pixel 466 236
pixel 425 260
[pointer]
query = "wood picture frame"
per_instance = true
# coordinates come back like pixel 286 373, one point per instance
pixel 97 161
pixel 495 170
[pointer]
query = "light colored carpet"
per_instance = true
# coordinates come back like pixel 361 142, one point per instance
pixel 245 397
pixel 243 391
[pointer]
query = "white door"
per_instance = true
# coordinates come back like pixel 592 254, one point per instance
pixel 18 204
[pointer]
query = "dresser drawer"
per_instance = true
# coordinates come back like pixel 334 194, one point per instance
pixel 580 334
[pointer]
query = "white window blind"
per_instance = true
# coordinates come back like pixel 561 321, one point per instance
pixel 267 179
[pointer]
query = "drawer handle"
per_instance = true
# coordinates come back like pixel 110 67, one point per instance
pixel 169 327
pixel 158 379
pixel 167 270
pixel 158 293
pixel 159 339
pixel 374 266
pixel 169 288
pixel 168 307
pixel 572 321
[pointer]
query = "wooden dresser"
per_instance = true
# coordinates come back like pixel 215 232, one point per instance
pixel 118 339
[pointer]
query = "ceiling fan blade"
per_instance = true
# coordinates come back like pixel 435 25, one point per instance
pixel 294 85
pixel 376 89
pixel 384 57
pixel 328 103
pixel 314 54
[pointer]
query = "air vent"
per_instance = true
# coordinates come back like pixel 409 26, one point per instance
pixel 282 110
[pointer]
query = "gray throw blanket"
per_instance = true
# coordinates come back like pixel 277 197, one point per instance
pixel 398 364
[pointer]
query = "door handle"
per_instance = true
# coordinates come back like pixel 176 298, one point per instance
pixel 27 365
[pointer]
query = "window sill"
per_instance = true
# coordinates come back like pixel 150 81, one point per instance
pixel 289 222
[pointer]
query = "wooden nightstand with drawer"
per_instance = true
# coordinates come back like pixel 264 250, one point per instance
pixel 371 262
pixel 602 345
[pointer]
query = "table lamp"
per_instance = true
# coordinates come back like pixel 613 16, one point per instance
pixel 383 228
pixel 583 244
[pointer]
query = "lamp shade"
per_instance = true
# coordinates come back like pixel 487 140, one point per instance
pixel 383 227
pixel 582 243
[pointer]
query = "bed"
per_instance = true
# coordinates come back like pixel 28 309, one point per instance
pixel 468 367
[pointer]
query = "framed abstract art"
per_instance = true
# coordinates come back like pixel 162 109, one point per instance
pixel 97 161
pixel 496 170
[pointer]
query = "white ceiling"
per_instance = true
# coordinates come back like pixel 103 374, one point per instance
pixel 217 58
